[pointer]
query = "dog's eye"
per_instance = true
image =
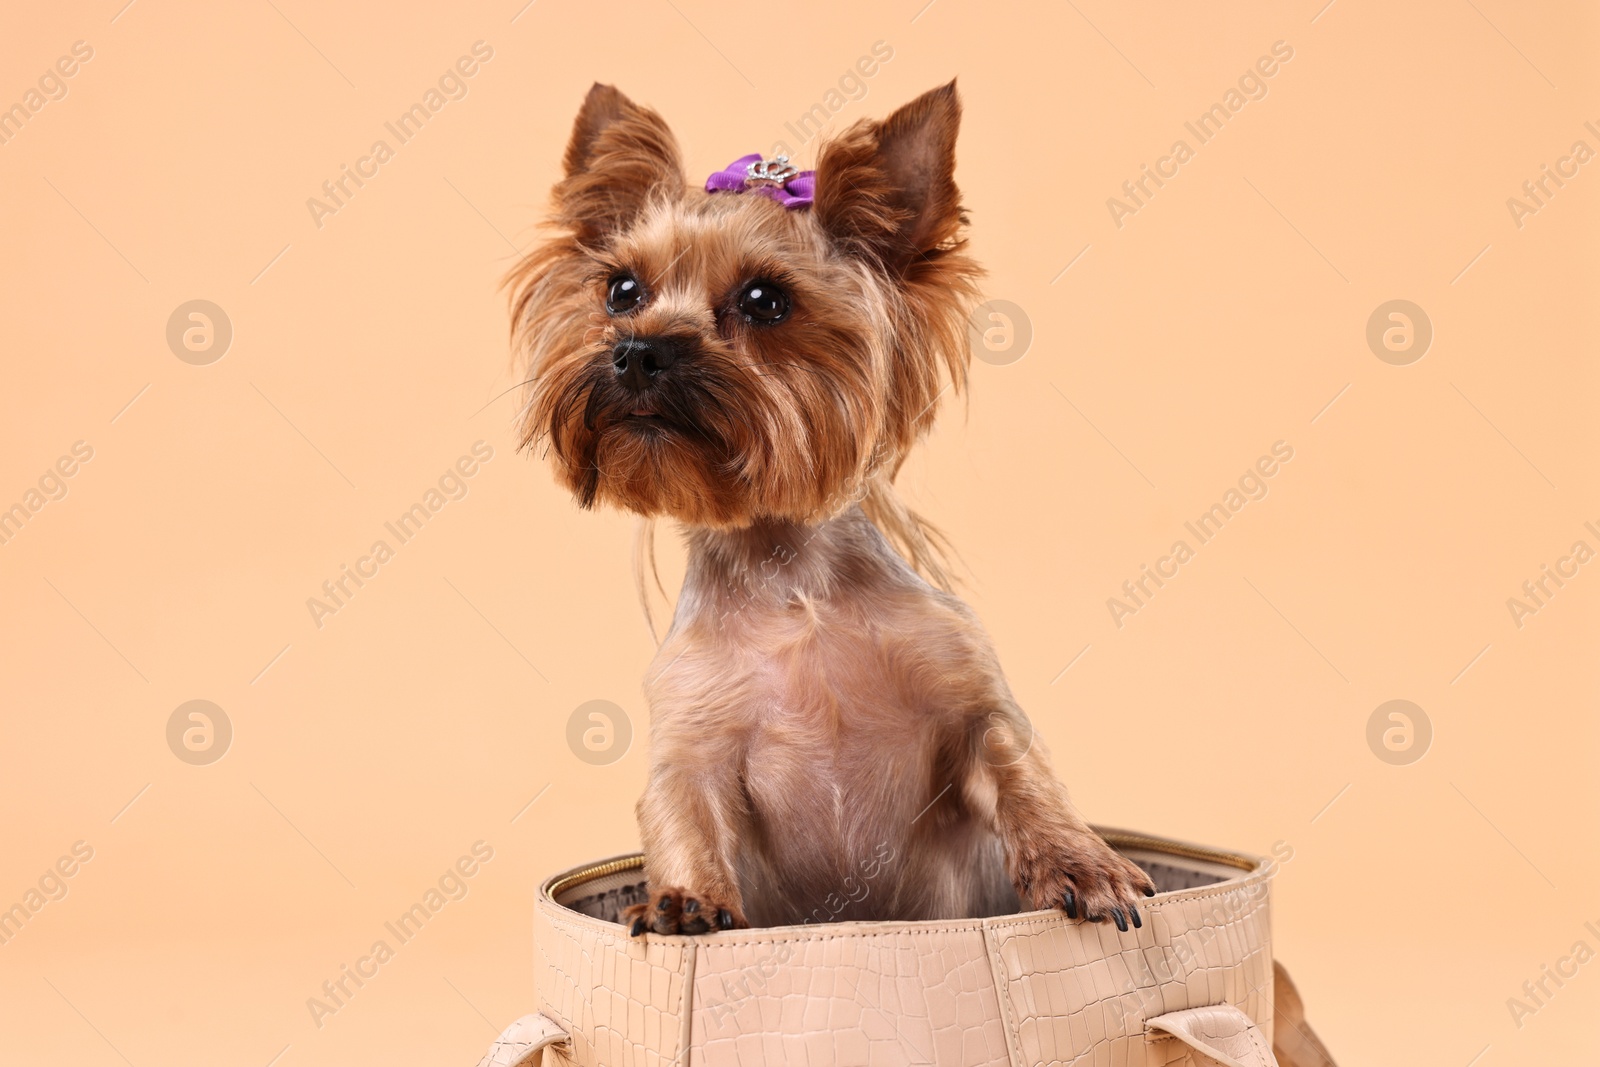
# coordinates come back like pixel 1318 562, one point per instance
pixel 763 303
pixel 624 294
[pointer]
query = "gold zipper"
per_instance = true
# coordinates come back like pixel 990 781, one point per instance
pixel 1177 848
pixel 1115 837
pixel 598 870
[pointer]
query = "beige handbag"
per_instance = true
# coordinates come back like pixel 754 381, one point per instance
pixel 1194 984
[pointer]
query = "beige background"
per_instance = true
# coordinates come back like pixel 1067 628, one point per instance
pixel 1227 314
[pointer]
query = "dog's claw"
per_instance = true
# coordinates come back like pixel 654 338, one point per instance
pixel 674 911
pixel 1085 878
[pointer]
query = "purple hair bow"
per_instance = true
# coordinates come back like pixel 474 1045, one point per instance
pixel 775 179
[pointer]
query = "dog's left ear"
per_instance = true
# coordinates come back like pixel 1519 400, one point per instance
pixel 887 190
pixel 620 156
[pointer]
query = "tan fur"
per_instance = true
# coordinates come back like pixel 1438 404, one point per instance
pixel 832 736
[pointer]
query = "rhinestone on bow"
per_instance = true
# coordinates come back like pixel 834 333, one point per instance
pixel 770 171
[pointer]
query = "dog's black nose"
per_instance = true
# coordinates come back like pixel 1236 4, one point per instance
pixel 638 360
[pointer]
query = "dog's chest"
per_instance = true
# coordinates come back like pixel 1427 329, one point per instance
pixel 829 657
pixel 832 705
pixel 833 667
pixel 834 694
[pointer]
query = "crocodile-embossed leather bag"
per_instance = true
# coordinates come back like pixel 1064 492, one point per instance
pixel 1194 984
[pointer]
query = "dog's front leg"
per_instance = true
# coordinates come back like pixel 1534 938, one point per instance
pixel 1054 858
pixel 690 817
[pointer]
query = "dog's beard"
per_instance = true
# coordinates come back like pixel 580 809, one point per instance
pixel 687 448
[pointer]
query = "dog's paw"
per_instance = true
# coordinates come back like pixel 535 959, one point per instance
pixel 1086 878
pixel 678 911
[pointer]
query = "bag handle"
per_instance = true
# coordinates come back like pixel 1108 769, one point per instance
pixel 1220 1035
pixel 522 1044
pixel 1223 1036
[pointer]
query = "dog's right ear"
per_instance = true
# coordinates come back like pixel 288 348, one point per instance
pixel 887 190
pixel 619 157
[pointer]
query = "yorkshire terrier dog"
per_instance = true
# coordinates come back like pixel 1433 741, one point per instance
pixel 831 733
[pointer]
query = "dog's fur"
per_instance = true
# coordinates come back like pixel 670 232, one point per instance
pixel 832 736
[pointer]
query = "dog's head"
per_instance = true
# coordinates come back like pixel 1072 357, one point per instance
pixel 722 358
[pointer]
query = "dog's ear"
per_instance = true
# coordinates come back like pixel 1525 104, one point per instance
pixel 620 156
pixel 887 189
